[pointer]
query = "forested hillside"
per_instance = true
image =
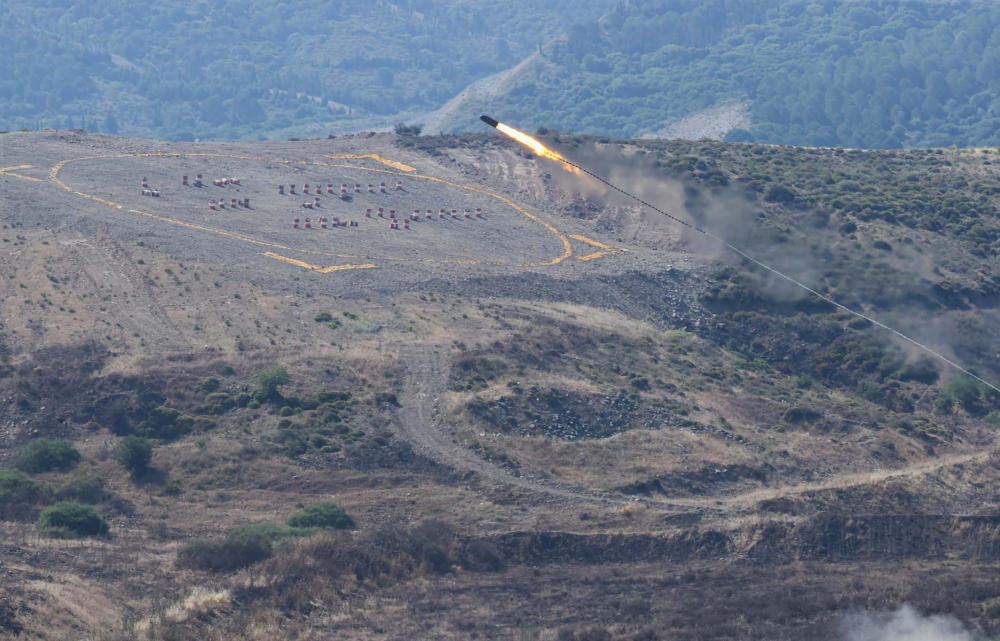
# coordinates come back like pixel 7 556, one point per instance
pixel 226 69
pixel 870 73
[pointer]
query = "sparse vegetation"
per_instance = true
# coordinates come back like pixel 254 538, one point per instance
pixel 45 455
pixel 135 455
pixel 268 383
pixel 72 519
pixel 82 489
pixel 321 515
pixel 20 494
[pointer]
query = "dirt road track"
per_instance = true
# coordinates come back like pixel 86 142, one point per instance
pixel 425 381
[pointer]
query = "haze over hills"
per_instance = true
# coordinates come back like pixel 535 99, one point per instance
pixel 874 74
pixel 225 70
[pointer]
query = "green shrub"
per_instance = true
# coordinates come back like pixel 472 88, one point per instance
pixel 386 398
pixel 72 518
pixel 243 399
pixel 241 548
pixel 966 391
pixel 83 489
pixel 209 385
pixel 802 415
pixel 641 383
pixel 870 390
pixel 135 454
pixel 779 194
pixel 227 370
pixel 944 404
pixel 166 423
pixel 218 403
pixel 324 317
pixel 286 411
pixel 321 515
pixel 19 494
pixel 172 488
pixel 45 455
pixel 268 383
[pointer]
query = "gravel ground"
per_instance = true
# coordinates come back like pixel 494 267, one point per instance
pixel 507 243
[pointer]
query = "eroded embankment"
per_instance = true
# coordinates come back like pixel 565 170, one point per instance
pixel 826 537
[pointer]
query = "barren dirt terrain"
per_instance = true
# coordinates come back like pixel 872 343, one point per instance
pixel 561 420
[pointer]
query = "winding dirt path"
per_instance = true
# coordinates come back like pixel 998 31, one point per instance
pixel 425 381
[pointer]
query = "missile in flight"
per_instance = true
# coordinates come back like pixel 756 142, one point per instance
pixel 489 121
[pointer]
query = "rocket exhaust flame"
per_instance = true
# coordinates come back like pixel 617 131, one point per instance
pixel 542 150
pixel 531 143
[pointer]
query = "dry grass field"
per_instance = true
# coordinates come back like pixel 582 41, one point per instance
pixel 528 441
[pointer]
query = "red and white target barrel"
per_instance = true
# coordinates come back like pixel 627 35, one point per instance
pixel 371 188
pixel 406 224
pixel 468 213
pixel 399 184
pixel 235 181
pixel 211 204
pixel 308 224
pixel 225 182
pixel 368 213
pixel 416 215
pixel 232 203
pixel 393 225
pixel 479 212
pixel 316 201
pixel 295 224
pixel 392 214
pixel 329 188
pixel 305 188
pixel 357 188
pixel 442 214
pixel 454 213
pixel 382 187
pixel 381 212
pixel 322 223
pixel 430 214
pixel 291 189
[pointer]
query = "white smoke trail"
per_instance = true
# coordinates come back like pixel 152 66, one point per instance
pixel 905 624
pixel 788 278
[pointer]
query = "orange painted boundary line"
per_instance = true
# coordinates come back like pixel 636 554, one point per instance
pixel 316 268
pixel 385 161
pixel 9 171
pixel 54 176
